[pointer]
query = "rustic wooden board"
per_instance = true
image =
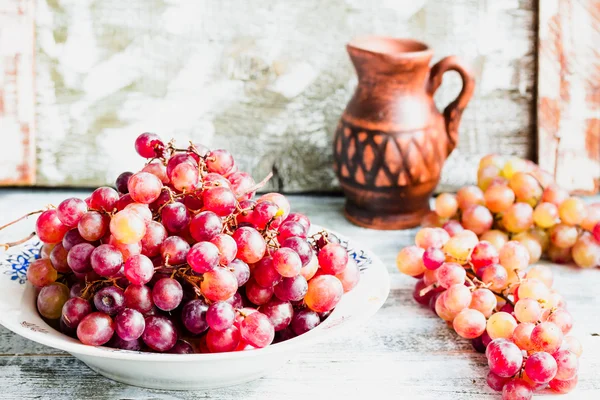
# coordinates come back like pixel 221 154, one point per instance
pixel 404 351
pixel 17 125
pixel 266 79
pixel 569 92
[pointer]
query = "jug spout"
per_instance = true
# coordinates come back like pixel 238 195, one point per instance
pixel 401 61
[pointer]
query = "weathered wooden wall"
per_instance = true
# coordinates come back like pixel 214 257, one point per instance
pixel 569 92
pixel 267 79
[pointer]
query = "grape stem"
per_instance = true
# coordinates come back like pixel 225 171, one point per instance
pixel 259 185
pixel 8 245
pixel 29 214
pixel 427 289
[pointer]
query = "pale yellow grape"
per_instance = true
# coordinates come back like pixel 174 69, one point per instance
pixel 557 299
pixel 446 205
pixel 586 252
pixel 498 198
pixel 518 218
pixel 501 325
pixel 542 273
pixel 545 215
pixel 484 301
pixel 527 189
pixel 514 276
pixel 514 165
pixel 513 255
pixel 459 247
pixel 542 236
pixel 536 290
pixel 559 255
pixel 533 246
pixel 410 261
pixel 469 196
pixel 522 335
pixel 572 211
pixel 528 310
pixel 469 323
pixel 592 217
pixel 574 345
pixel 458 297
pixel 441 310
pixel 127 227
pixel 431 237
pixel 496 237
pixel 488 175
pixel 491 159
pixel 563 235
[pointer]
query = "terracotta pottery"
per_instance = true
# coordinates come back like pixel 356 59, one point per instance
pixel 391 142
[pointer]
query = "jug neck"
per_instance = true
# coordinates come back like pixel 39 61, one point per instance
pixel 393 61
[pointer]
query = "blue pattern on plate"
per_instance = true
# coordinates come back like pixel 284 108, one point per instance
pixel 16 263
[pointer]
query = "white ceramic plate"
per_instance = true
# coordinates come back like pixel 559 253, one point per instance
pixel 183 371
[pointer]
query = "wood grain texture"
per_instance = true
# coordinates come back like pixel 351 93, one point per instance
pixel 569 92
pixel 17 125
pixel 266 79
pixel 404 351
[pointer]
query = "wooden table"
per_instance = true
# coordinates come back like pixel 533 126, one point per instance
pixel 403 352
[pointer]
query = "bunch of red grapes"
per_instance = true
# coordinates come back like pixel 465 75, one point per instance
pixel 472 265
pixel 180 259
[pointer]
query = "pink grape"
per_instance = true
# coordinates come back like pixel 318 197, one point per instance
pixel 72 238
pixel 290 229
pixel 205 226
pixel 251 245
pixel 153 238
pixel 106 260
pixel 104 198
pixel 149 145
pixel 301 247
pixel 79 257
pixel 58 257
pixel 333 258
pixel 349 276
pixel 561 318
pixel 194 316
pixel 175 217
pixel 223 341
pixel 129 324
pixel 109 300
pixel 257 330
pixel 477 219
pixel 49 227
pixel 126 226
pixel 203 257
pixel 139 269
pixel 178 159
pixel 93 225
pixel 95 329
pixel 41 273
pixel 304 321
pixel 157 169
pixel 287 262
pixel 257 294
pixel 299 218
pixel 565 386
pixel 184 177
pixel 219 284
pixel 496 382
pixel 70 211
pixel 265 213
pixel 212 180
pixel 567 364
pixel 167 294
pixel 219 161
pixel 175 250
pixel 450 274
pixel 469 323
pixel 433 258
pixel 160 334
pixel 291 289
pixel 540 367
pixel 241 270
pixel 138 297
pixel 279 199
pixel 453 227
pixel 324 293
pixel 226 246
pixel 516 389
pixel 74 310
pixel 241 182
pixel 265 273
pixel 219 200
pixel 280 313
pixel 504 358
pixel 144 187
pixel 220 316
pixel 546 337
pixel 484 254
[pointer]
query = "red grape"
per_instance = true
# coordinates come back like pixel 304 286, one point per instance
pixel 160 333
pixel 95 329
pixel 49 227
pixel 70 211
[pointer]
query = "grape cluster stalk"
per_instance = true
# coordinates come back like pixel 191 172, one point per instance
pixel 179 257
pixel 473 261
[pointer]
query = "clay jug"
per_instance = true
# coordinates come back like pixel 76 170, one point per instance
pixel 391 142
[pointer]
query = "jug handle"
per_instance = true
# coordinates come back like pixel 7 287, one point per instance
pixel 453 112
